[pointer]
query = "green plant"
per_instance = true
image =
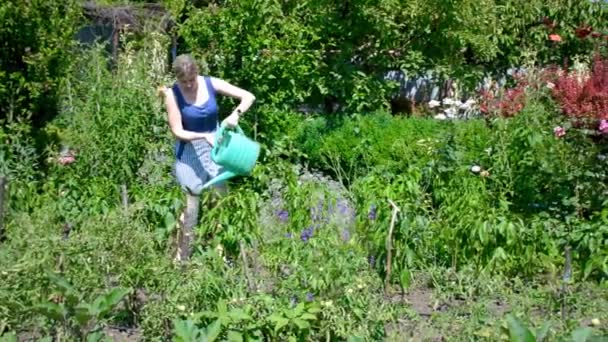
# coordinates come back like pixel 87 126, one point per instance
pixel 77 316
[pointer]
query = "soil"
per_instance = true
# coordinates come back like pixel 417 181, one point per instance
pixel 422 302
pixel 118 334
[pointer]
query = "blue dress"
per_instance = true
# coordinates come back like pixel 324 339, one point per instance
pixel 193 165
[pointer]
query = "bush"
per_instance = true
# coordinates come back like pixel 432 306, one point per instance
pixel 37 51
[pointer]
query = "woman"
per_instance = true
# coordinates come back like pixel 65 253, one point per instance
pixel 193 118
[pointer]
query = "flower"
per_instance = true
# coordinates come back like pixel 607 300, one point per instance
pixel 309 297
pixel 448 101
pixel 283 215
pixel 475 168
pixel 583 31
pixel 66 160
pixel 603 126
pixel 306 234
pixel 559 131
pixel 434 103
pixel 550 85
pixel 554 37
pixel 450 112
pixel 467 104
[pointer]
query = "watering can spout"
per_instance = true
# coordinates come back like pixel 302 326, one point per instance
pixel 220 178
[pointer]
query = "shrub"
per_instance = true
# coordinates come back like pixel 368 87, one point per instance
pixel 37 38
pixel 584 96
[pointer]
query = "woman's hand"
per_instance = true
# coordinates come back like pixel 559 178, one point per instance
pixel 232 120
pixel 210 138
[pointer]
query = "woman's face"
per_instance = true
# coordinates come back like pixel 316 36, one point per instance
pixel 188 83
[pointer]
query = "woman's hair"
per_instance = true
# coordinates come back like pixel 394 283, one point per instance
pixel 184 66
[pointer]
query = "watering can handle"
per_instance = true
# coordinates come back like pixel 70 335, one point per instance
pixel 220 133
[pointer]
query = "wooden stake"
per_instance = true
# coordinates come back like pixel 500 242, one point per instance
pixel 2 187
pixel 389 246
pixel 125 197
pixel 565 280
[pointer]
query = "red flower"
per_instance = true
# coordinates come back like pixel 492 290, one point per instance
pixel 583 31
pixel 596 35
pixel 555 37
pixel 587 98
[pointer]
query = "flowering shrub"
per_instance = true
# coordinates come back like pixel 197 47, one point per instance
pixel 507 104
pixel 584 96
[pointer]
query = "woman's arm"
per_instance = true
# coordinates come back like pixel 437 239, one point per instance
pixel 227 89
pixel 175 120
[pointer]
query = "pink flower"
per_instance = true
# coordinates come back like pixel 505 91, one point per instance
pixel 555 37
pixel 66 157
pixel 603 126
pixel 559 131
pixel 65 160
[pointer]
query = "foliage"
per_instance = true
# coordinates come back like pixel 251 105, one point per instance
pixel 289 56
pixel 37 38
pixel 298 250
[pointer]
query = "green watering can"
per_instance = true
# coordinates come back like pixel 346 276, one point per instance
pixel 234 152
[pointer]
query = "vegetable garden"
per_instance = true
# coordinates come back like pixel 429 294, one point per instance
pixel 470 207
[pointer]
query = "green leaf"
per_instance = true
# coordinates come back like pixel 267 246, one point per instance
pixel 51 310
pixel 111 299
pixel 517 331
pixel 308 316
pixel 83 314
pixel 95 337
pixel 239 315
pixel 314 309
pixel 405 278
pixel 541 333
pixel 582 334
pixel 235 336
pixel 355 339
pixel 62 283
pixel 279 321
pixel 184 331
pixel 302 324
pixel 10 337
pixel 214 330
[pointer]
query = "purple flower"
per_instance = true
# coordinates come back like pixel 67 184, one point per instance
pixel 309 297
pixel 306 234
pixel 288 235
pixel 372 212
pixel 283 215
pixel 345 235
